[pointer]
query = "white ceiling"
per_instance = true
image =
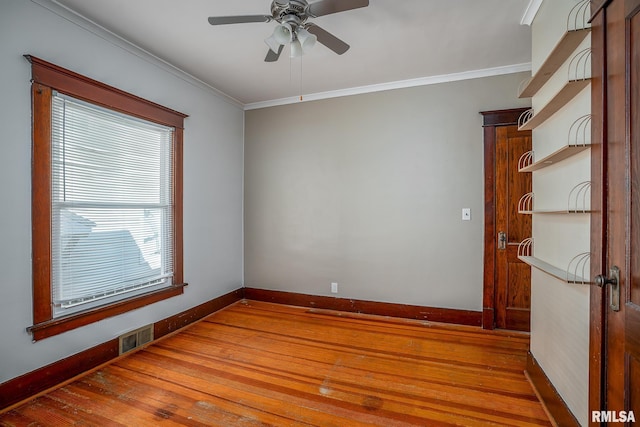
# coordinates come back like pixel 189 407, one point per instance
pixel 391 41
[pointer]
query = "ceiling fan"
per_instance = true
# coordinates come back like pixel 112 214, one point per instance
pixel 293 25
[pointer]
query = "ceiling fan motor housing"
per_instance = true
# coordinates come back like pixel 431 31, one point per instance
pixel 293 12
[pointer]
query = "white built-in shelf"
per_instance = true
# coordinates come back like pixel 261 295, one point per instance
pixel 529 120
pixel 576 272
pixel 578 78
pixel 577 141
pixel 578 202
pixel 577 30
pixel 553 158
pixel 554 271
pixel 551 212
pixel 565 47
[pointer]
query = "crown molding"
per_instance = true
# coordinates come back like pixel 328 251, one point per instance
pixel 530 12
pixel 423 81
pixel 111 37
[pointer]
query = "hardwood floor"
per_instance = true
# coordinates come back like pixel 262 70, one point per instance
pixel 256 363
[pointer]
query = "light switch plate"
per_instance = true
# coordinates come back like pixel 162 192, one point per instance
pixel 466 214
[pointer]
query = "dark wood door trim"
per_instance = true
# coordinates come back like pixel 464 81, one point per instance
pixel 492 120
pixel 613 340
pixel 598 206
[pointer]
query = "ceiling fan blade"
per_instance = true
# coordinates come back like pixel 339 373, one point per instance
pixel 326 7
pixel 328 39
pixel 272 56
pixel 222 20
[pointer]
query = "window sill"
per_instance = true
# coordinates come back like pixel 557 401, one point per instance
pixel 57 326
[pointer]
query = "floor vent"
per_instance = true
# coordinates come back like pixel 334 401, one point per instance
pixel 135 339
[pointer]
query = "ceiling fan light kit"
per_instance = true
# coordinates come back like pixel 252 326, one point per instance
pixel 306 39
pixel 293 28
pixel 296 49
pixel 283 34
pixel 273 44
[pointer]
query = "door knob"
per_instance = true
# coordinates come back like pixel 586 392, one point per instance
pixel 614 291
pixel 502 240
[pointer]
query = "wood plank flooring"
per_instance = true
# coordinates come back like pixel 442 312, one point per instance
pixel 256 364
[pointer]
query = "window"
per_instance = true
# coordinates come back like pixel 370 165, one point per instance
pixel 106 202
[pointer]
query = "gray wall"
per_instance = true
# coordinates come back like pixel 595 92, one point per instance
pixel 367 191
pixel 213 150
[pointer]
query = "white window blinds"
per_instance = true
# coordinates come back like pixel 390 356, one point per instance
pixel 112 225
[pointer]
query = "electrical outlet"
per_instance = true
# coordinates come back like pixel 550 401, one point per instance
pixel 334 287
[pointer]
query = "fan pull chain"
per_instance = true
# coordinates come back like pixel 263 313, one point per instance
pixel 301 78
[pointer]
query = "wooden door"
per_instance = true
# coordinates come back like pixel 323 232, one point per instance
pixel 513 277
pixel 617 72
pixel 507 281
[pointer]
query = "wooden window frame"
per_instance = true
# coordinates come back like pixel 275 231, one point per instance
pixel 46 78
